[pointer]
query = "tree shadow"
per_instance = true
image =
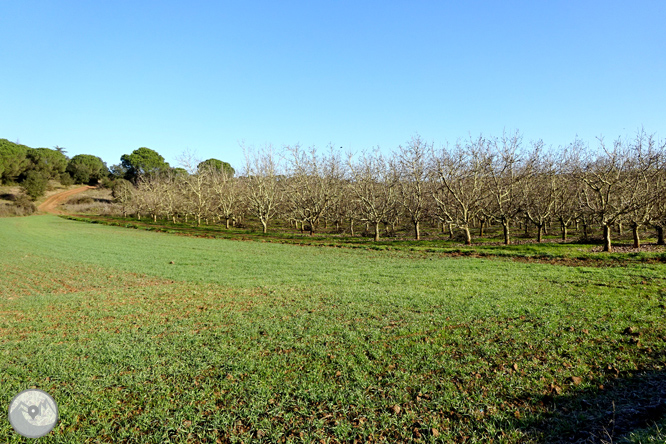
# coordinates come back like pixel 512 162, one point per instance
pixel 7 196
pixel 604 414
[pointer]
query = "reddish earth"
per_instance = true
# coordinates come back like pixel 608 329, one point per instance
pixel 50 204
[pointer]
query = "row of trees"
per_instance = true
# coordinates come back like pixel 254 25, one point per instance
pixel 498 180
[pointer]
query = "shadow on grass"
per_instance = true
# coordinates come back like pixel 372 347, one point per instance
pixel 623 405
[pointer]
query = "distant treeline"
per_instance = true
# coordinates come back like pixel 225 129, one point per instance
pixel 32 168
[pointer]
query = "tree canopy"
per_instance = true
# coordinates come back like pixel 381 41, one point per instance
pixel 141 162
pixel 217 165
pixel 13 160
pixel 47 162
pixel 86 168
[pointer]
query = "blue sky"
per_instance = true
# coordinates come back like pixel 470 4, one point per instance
pixel 107 77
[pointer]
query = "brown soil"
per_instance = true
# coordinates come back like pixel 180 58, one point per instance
pixel 50 204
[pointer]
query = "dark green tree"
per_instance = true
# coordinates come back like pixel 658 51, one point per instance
pixel 86 168
pixel 34 184
pixel 141 162
pixel 13 160
pixel 180 172
pixel 217 165
pixel 49 163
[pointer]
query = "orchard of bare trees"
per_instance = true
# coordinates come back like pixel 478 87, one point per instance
pixel 461 189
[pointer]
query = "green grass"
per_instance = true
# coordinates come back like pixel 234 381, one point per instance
pixel 572 251
pixel 270 342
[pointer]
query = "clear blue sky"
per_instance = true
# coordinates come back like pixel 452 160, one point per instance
pixel 106 77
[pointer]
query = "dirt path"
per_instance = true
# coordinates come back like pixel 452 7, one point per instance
pixel 50 204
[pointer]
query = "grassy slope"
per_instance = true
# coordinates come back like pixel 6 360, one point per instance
pixel 242 340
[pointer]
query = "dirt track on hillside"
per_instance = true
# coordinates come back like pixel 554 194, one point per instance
pixel 50 205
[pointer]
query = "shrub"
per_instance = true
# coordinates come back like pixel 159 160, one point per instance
pixel 34 184
pixel 23 206
pixel 66 179
pixel 80 200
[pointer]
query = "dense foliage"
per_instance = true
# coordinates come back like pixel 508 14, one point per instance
pixel 141 162
pixel 86 168
pixel 218 165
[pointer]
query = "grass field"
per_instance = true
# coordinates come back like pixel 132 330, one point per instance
pixel 151 337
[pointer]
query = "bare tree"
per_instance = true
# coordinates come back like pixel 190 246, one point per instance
pixel 567 188
pixel 226 196
pixel 262 185
pixel 311 184
pixel 123 194
pixel 616 182
pixel 374 187
pixel 461 174
pixel 507 173
pixel 541 190
pixel 646 181
pixel 196 187
pixel 172 196
pixel 411 168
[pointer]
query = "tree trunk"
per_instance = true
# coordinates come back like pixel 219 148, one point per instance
pixel 468 236
pixel 660 235
pixel 337 225
pixel 540 228
pixel 351 226
pixel 450 231
pixel 564 231
pixel 443 227
pixel 607 238
pixel 527 226
pixel 264 226
pixel 138 216
pixel 312 228
pixel 483 224
pixel 634 232
pixel 376 231
pixel 154 217
pixel 227 223
pixel 198 220
pixel 417 231
pixel 619 228
pixel 505 228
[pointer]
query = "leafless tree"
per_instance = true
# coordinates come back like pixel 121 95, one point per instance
pixel 507 174
pixel 262 184
pixel 311 184
pixel 411 165
pixel 540 190
pixel 374 187
pixel 172 196
pixel 123 194
pixel 616 182
pixel 645 179
pixel 197 192
pixel 226 198
pixel 461 175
